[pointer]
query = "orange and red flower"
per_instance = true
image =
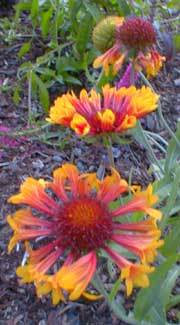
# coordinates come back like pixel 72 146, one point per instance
pixel 134 38
pixel 115 111
pixel 71 220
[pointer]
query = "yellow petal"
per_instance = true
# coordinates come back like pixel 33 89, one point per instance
pixel 80 125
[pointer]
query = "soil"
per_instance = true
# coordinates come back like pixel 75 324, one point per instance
pixel 28 155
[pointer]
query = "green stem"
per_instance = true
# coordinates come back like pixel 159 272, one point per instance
pixel 28 131
pixel 30 97
pixel 110 153
pixel 163 121
pixel 132 75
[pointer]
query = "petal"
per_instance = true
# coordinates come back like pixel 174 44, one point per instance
pixel 144 245
pixel 135 275
pixel 111 187
pixel 78 275
pixel 144 101
pixel 128 122
pixel 32 192
pixel 26 226
pixel 90 296
pixel 108 58
pixel 80 125
pixel 118 63
pixel 106 119
pixel 62 112
pixel 141 201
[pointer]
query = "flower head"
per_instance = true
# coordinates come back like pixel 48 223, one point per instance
pixel 104 34
pixel 134 38
pixel 70 220
pixel 136 33
pixel 116 110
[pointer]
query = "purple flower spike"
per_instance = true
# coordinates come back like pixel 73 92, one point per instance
pixel 125 81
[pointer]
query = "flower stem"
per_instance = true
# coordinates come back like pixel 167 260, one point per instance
pixel 110 153
pixel 30 98
pixel 163 121
pixel 14 134
pixel 132 76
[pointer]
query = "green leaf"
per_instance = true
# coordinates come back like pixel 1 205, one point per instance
pixel 43 93
pixel 34 11
pixel 169 284
pixel 125 9
pixel 177 42
pixel 45 71
pixel 147 297
pixel 173 152
pixel 95 12
pixel 45 21
pixel 172 198
pixel 24 49
pixel 172 241
pixel 16 95
pixel 74 7
pixel 21 6
pixel 157 314
pixel 67 64
pixel 110 268
pixel 71 80
pixel 115 289
pixel 163 186
pixel 85 27
pixel 173 301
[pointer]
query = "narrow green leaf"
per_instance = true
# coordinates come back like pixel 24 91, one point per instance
pixel 147 297
pixel 34 11
pixel 115 289
pixel 171 199
pixel 45 21
pixel 125 9
pixel 157 314
pixel 110 268
pixel 16 94
pixel 43 94
pixel 175 300
pixel 172 241
pixel 24 49
pixel 85 28
pixel 45 71
pixel 173 152
pixel 94 10
pixel 169 284
pixel 72 80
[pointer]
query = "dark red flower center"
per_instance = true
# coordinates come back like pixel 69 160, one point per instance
pixel 136 33
pixel 84 224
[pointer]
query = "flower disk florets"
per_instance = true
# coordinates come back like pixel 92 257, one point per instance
pixel 84 224
pixel 136 33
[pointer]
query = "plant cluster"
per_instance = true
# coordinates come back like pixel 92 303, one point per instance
pixel 71 223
